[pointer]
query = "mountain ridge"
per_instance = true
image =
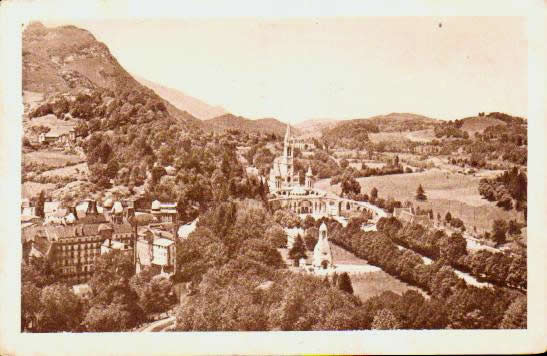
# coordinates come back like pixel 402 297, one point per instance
pixel 182 101
pixel 78 75
pixel 263 125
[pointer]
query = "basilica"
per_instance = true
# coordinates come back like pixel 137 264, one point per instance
pixel 288 193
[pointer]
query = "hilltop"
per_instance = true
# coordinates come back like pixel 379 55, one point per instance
pixel 313 127
pixel 355 132
pixel 479 123
pixel 402 122
pixel 233 122
pixel 77 75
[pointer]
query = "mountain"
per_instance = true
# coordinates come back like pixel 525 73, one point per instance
pixel 479 123
pixel 194 106
pixel 78 75
pixel 355 132
pixel 385 123
pixel 233 122
pixel 402 122
pixel 313 127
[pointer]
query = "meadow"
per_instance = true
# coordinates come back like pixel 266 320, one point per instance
pixel 52 158
pixel 368 284
pixel 446 191
pixel 77 171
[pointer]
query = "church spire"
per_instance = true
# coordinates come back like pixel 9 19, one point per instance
pixel 288 132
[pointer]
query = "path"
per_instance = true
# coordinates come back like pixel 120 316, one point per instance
pixel 160 325
pixel 468 278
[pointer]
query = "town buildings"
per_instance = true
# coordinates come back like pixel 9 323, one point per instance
pixel 158 253
pixel 73 245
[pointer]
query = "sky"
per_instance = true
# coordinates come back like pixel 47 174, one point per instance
pixel 296 69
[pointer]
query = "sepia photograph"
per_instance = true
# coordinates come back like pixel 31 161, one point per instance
pixel 273 174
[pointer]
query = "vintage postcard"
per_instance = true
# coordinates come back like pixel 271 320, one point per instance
pixel 259 179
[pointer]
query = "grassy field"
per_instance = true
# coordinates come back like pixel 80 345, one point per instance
pixel 446 191
pixel 77 171
pixel 341 256
pixel 371 284
pixel 51 121
pixel 53 159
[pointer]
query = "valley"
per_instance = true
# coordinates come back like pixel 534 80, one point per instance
pixel 141 202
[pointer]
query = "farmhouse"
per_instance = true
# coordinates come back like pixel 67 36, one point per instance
pixel 57 136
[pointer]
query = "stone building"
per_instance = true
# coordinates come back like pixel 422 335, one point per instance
pixel 287 192
pixel 73 249
pixel 322 254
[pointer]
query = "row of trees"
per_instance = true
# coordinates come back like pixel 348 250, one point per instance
pixel 498 268
pixel 470 307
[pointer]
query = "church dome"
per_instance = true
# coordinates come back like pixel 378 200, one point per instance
pixel 156 205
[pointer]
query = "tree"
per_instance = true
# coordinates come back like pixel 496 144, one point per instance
pixel 112 168
pixel 157 173
pixel 298 250
pixel 40 204
pixel 420 193
pixel 344 283
pixel 350 186
pixel 373 194
pixel 310 238
pixel 515 316
pixel 344 163
pixel 457 223
pixel 30 304
pixel 309 222
pixel 61 309
pixel 499 230
pixel 112 317
pixel 385 320
pixel 448 217
pixel 513 228
pixel 276 236
pixel 261 251
pixel 157 295
pixel 453 247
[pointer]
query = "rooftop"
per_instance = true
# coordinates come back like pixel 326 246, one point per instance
pixel 163 242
